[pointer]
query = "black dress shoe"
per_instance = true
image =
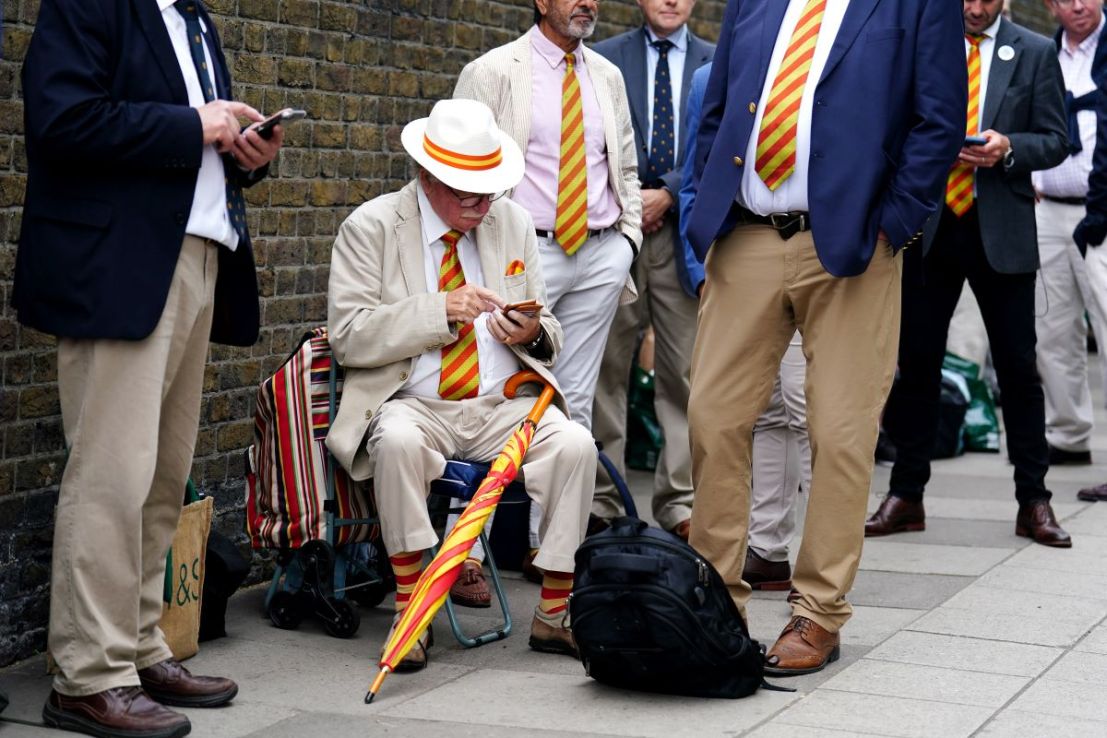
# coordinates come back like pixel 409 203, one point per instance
pixel 123 712
pixel 1059 457
pixel 1037 521
pixel 896 515
pixel 771 576
pixel 170 683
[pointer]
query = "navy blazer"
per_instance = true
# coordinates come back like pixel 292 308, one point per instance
pixel 888 120
pixel 113 153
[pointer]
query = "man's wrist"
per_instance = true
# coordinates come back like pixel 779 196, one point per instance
pixel 538 340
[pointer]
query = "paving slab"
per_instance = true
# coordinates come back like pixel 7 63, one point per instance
pixel 966 654
pixel 580 704
pixel 910 591
pixel 1078 559
pixel 936 684
pixel 1064 699
pixel 880 715
pixel 1094 642
pixel 958 532
pixel 1081 667
pixel 307 724
pixel 774 729
pixel 1062 609
pixel 1087 585
pixel 1020 724
pixel 997 510
pixel 912 558
pixel 1090 521
pixel 872 625
pixel 996 626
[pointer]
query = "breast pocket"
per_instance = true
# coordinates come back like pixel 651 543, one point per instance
pixel 884 35
pixel 515 287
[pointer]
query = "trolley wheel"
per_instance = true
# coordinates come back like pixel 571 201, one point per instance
pixel 317 558
pixel 369 595
pixel 340 619
pixel 285 610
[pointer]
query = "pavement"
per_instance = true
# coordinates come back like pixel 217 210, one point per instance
pixel 962 629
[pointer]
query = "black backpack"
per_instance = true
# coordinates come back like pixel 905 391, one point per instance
pixel 649 613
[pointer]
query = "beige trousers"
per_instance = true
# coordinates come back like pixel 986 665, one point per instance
pixel 663 303
pixel 411 438
pixel 130 410
pixel 759 291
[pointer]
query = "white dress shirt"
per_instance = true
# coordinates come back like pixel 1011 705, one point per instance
pixel 792 193
pixel 495 360
pixel 209 217
pixel 676 55
pixel 987 48
pixel 1070 177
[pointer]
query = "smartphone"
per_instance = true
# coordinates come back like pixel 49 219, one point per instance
pixel 265 127
pixel 530 307
pixel 975 140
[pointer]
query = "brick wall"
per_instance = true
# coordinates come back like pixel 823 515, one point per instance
pixel 361 69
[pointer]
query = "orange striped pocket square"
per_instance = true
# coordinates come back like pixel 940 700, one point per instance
pixel 515 267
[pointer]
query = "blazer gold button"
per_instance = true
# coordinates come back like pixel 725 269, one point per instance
pixel 738 161
pixel 403 376
pixel 753 108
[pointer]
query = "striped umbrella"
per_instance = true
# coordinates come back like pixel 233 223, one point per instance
pixel 434 583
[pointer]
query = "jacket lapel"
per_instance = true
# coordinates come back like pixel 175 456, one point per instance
pixel 999 75
pixel 520 91
pixel 634 73
pixel 857 13
pixel 153 27
pixel 409 241
pixel 493 253
pixel 604 98
pixel 772 17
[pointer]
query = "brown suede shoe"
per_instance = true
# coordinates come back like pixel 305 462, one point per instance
pixel 804 647
pixel 169 683
pixel 771 576
pixel 114 713
pixel 896 515
pixel 682 529
pixel 548 638
pixel 1093 494
pixel 1037 521
pixel 471 588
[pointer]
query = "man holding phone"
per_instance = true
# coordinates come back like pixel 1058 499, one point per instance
pixel 986 234
pixel 134 250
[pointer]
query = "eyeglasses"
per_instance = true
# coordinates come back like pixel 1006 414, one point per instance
pixel 469 200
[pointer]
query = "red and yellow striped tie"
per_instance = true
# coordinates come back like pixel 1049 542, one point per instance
pixel 460 378
pixel 959 185
pixel 571 224
pixel 776 140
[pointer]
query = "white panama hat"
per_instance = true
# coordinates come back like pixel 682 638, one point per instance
pixel 462 147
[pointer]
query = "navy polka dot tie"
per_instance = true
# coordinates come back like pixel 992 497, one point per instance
pixel 662 139
pixel 236 204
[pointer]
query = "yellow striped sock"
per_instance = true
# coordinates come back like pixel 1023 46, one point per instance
pixel 407 567
pixel 556 586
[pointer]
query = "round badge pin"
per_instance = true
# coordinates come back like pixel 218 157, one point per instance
pixel 1006 53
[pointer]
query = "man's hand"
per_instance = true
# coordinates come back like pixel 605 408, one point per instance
pixel 990 153
pixel 1089 232
pixel 514 327
pixel 465 304
pixel 251 151
pixel 219 119
pixel 655 204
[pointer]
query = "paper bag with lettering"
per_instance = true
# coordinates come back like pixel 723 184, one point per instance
pixel 184 579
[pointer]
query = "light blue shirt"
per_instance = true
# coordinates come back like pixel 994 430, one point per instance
pixel 677 54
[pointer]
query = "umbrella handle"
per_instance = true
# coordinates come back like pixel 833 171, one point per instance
pixel 511 388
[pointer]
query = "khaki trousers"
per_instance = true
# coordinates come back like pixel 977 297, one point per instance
pixel 130 410
pixel 411 438
pixel 759 291
pixel 663 303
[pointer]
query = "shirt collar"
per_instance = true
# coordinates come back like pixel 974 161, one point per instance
pixel 1087 45
pixel 550 51
pixel 991 31
pixel 165 4
pixel 434 228
pixel 678 39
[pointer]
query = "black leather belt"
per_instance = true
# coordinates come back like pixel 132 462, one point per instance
pixel 786 224
pixel 592 233
pixel 1067 200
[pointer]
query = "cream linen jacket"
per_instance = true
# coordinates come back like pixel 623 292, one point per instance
pixel 380 317
pixel 501 79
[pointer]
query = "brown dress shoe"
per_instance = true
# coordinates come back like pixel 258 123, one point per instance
pixel 1037 521
pixel 170 683
pixel 1093 494
pixel 548 638
pixel 471 588
pixel 682 529
pixel 896 515
pixel 114 713
pixel 531 572
pixel 771 576
pixel 803 647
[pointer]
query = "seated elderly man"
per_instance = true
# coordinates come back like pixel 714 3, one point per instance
pixel 418 281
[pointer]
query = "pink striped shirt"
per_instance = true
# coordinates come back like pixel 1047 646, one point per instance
pixel 538 190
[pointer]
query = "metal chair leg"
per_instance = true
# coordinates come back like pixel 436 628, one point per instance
pixel 495 634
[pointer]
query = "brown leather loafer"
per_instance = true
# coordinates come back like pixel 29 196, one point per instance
pixel 1093 494
pixel 170 683
pixel 471 588
pixel 1037 521
pixel 804 647
pixel 896 515
pixel 114 713
pixel 548 638
pixel 771 576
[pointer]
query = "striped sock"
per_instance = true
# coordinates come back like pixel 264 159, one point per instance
pixel 406 567
pixel 556 586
